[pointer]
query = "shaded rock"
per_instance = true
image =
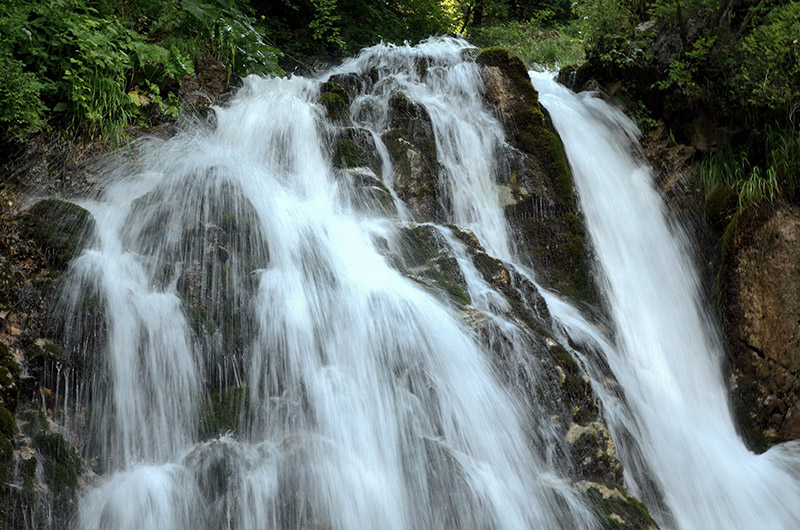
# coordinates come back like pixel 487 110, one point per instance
pixel 367 192
pixel 615 508
pixel 412 147
pixel 545 214
pixel 761 288
pixel 60 228
pixel 593 451
pixel 355 147
pixel 336 101
pixel 206 86
pixel 424 256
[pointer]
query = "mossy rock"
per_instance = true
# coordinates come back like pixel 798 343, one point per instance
pixel 424 256
pixel 368 194
pixel 60 229
pixel 546 217
pixel 615 508
pixel 416 172
pixel 412 147
pixel 355 147
pixel 62 466
pixel 8 428
pixel 336 101
pixel 224 411
pixel 514 71
pixel 9 374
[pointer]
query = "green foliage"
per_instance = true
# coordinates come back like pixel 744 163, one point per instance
pixel 769 74
pixel 611 34
pixel 233 36
pixel 683 70
pixel 774 173
pixel 325 22
pixel 537 45
pixel 91 66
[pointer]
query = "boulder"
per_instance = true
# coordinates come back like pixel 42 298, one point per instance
pixel 761 290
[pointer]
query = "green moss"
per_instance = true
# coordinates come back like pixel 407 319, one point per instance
pixel 618 510
pixel 224 412
pixel 348 154
pixel 9 372
pixel 8 428
pixel 418 246
pixel 32 421
pixel 335 100
pixel 453 290
pixel 8 425
pixel 61 463
pixel 59 228
pixel 556 244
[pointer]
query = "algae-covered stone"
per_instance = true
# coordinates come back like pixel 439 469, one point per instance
pixel 367 192
pixel 424 256
pixel 62 466
pixel 616 509
pixel 224 411
pixel 335 100
pixel 8 428
pixel 355 147
pixel 9 372
pixel 59 227
pixel 544 213
pixel 412 147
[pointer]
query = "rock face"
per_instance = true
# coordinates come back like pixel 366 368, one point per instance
pixel 542 208
pixel 762 293
pixel 35 247
pixel 412 146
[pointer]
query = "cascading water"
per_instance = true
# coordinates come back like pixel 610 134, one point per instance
pixel 236 273
pixel 668 354
pixel 231 260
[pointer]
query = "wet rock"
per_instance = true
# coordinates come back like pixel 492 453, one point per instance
pixel 224 411
pixel 615 508
pixel 761 288
pixel 367 192
pixel 412 147
pixel 593 451
pixel 544 211
pixel 336 101
pixel 355 147
pixel 425 257
pixel 59 227
pixel 206 86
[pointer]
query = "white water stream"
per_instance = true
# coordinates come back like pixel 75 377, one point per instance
pixel 232 257
pixel 668 353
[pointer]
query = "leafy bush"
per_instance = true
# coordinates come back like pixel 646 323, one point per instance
pixel 91 68
pixel 769 74
pixel 611 33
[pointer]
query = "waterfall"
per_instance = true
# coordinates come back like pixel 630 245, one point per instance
pixel 267 344
pixel 667 354
pixel 231 265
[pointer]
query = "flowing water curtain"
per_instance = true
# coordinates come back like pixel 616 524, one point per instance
pixel 365 401
pixel 668 350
